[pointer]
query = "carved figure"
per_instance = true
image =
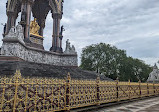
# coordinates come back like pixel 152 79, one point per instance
pixel 154 75
pixel 4 29
pixel 19 32
pixel 34 27
pixel 16 33
pixel 12 32
pixel 69 49
pixel 67 45
pixel 73 48
pixel 62 29
pixel 19 28
pixel 62 6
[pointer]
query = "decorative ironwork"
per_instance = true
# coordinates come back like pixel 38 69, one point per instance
pixel 82 93
pixel 36 94
pixel 18 94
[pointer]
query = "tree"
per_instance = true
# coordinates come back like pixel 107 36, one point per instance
pixel 112 62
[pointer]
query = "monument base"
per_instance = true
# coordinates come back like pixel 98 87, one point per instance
pixel 16 48
pixel 36 41
pixel 56 49
pixel 10 58
pixel 29 69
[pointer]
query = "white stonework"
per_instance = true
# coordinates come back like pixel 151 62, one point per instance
pixel 154 75
pixel 69 49
pixel 16 33
pixel 36 55
pixel 36 40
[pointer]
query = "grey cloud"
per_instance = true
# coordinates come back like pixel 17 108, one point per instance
pixel 146 47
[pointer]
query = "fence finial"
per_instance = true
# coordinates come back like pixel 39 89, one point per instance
pixel 17 74
pixel 98 77
pixel 68 76
pixel 117 79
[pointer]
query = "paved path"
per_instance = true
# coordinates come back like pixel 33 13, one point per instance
pixel 147 105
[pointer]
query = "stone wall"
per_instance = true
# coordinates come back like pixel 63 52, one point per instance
pixel 13 47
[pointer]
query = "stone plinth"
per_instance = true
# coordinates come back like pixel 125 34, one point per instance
pixel 16 48
pixel 9 58
pixel 36 41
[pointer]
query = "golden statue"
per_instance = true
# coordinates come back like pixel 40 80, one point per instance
pixel 34 28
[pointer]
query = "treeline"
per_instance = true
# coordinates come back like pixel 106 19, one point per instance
pixel 113 63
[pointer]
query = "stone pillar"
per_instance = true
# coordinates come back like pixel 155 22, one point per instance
pixel 8 24
pixel 23 5
pixel 42 26
pixel 23 15
pixel 56 30
pixel 28 17
pixel 11 21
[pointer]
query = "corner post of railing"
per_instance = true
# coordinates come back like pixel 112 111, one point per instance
pixel 117 88
pixel 140 87
pixel 68 80
pixel 16 78
pixel 147 89
pixel 98 90
pixel 129 88
pixel 154 89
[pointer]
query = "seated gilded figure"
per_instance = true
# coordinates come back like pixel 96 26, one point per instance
pixel 34 28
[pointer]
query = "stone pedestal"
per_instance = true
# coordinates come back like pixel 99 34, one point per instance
pixel 36 41
pixel 56 49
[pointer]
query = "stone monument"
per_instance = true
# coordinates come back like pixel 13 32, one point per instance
pixel 25 40
pixel 35 38
pixel 23 49
pixel 69 49
pixel 154 75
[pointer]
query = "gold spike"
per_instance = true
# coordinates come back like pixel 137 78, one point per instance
pixel 17 75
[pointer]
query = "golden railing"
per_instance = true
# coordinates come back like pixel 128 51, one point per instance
pixel 18 94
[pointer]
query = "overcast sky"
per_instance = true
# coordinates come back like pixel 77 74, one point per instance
pixel 132 25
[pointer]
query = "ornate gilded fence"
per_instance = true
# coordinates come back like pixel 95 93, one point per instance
pixel 18 94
